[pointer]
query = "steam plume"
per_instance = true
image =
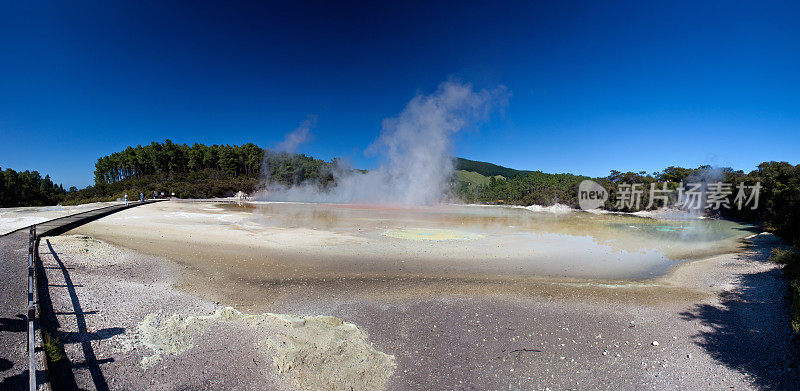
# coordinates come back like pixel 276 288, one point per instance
pixel 415 147
pixel 298 136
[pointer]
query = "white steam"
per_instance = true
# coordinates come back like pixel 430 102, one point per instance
pixel 298 136
pixel 415 147
pixel 703 176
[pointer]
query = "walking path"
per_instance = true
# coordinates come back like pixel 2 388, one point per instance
pixel 14 291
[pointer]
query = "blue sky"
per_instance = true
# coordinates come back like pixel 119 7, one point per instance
pixel 595 86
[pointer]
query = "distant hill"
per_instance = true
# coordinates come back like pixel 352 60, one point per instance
pixel 486 169
pixel 474 178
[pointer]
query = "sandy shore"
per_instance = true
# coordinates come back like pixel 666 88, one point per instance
pixel 168 323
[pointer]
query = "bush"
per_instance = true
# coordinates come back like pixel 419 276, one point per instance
pixel 791 271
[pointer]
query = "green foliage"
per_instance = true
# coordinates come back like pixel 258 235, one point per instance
pixel 28 188
pixel 525 188
pixel 197 171
pixel 779 202
pixel 791 270
pixel 170 160
pixel 469 183
pixel 474 178
pixel 53 348
pixel 484 168
pixel 291 169
pixel 675 174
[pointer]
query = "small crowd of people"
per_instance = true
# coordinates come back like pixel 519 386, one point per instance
pixel 141 198
pixel 241 196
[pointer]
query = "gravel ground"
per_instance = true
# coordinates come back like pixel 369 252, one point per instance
pixel 13 304
pixel 721 324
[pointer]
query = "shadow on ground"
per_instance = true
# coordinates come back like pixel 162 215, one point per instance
pixel 65 375
pixel 20 382
pixel 14 325
pixel 749 330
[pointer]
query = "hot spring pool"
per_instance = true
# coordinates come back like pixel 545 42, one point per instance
pixel 482 239
pixel 273 241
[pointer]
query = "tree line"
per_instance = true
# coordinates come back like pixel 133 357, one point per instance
pixel 198 171
pixel 28 188
pixel 779 198
pixel 170 160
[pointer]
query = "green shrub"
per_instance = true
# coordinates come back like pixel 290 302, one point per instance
pixel 791 270
pixel 53 348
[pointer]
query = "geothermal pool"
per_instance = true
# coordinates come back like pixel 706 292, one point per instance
pixel 273 241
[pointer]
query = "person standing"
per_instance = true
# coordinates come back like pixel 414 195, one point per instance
pixel 126 199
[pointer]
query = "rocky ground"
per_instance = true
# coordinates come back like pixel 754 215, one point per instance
pixel 130 321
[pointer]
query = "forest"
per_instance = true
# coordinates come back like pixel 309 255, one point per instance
pixel 197 171
pixel 28 188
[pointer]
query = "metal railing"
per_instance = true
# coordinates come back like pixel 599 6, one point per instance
pixel 31 309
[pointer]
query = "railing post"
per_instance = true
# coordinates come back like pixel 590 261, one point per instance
pixel 31 309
